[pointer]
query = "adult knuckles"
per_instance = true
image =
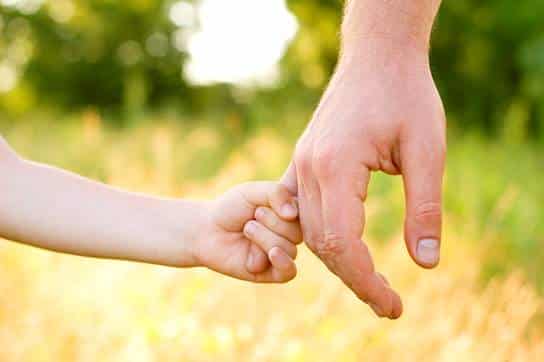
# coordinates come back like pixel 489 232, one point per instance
pixel 428 212
pixel 330 247
pixel 325 162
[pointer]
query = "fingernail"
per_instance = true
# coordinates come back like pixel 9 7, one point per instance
pixel 288 210
pixel 250 228
pixel 428 251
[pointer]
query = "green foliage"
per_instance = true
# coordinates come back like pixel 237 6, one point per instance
pixel 487 57
pixel 110 54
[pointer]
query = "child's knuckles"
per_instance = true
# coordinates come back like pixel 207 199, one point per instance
pixel 266 216
pixel 288 247
pixel 290 230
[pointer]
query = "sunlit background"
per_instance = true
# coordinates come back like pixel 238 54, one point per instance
pixel 188 98
pixel 239 41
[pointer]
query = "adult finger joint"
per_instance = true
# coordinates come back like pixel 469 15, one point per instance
pixel 330 247
pixel 428 212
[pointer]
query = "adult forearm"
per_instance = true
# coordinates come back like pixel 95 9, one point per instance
pixel 404 22
pixel 58 210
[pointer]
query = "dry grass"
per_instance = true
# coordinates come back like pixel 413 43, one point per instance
pixel 61 308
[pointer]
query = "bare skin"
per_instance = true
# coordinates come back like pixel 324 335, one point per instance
pixel 56 210
pixel 381 112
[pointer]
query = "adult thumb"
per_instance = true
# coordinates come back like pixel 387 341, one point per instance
pixel 423 169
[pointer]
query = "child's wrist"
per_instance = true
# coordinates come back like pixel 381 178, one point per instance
pixel 186 226
pixel 201 228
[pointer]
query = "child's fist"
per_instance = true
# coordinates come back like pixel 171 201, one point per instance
pixel 254 233
pixel 274 230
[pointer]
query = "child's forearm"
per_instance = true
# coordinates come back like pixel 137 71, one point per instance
pixel 57 210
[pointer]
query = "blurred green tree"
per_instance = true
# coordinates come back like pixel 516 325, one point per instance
pixel 110 54
pixel 488 60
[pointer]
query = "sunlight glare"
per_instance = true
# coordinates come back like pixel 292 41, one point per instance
pixel 239 41
pixel 182 14
pixel 25 6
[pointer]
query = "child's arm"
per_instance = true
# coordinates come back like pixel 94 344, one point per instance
pixel 57 210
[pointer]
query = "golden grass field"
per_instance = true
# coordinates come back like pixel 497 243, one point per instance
pixel 63 308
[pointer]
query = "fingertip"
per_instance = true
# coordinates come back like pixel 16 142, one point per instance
pixel 383 300
pixel 289 179
pixel 290 274
pixel 284 203
pixel 423 171
pixel 285 266
pixel 397 308
pixel 280 259
pixel 423 239
pixel 289 210
pixel 427 253
pixel 257 261
pixel 393 311
pixel 285 276
pixel 250 228
pixel 396 302
pixel 428 266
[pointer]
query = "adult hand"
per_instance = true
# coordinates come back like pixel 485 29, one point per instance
pixel 381 112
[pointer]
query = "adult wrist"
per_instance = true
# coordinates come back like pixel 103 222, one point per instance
pixel 385 45
pixel 404 24
pixel 382 54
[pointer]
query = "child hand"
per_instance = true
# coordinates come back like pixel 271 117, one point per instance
pixel 249 240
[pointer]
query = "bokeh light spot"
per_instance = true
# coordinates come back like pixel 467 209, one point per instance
pixel 182 14
pixel 157 45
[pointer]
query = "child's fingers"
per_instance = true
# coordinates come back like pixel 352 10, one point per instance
pixel 277 274
pixel 283 202
pixel 257 260
pixel 288 229
pixel 274 274
pixel 266 239
pixel 279 259
pixel 283 268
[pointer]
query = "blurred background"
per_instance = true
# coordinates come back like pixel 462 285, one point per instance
pixel 187 98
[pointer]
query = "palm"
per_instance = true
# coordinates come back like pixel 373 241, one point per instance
pixel 228 253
